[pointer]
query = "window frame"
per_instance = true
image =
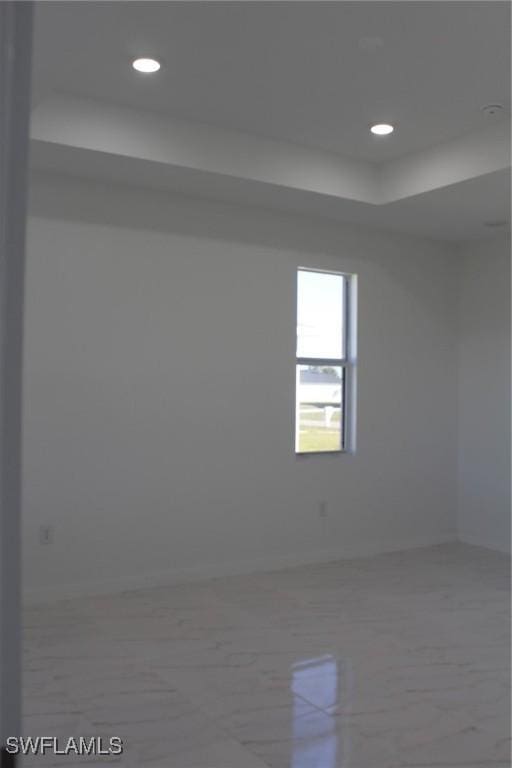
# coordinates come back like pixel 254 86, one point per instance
pixel 347 363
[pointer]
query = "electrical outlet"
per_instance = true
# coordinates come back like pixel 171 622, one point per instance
pixel 322 509
pixel 46 534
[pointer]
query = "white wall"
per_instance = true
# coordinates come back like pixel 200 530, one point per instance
pixel 484 394
pixel 159 392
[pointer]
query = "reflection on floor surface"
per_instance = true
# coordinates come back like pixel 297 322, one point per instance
pixel 394 661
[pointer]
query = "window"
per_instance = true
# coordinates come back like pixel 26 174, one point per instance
pixel 325 362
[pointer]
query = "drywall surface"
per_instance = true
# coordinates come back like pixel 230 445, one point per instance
pixel 159 392
pixel 484 394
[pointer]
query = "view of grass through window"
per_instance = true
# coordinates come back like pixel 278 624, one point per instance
pixel 319 402
pixel 320 355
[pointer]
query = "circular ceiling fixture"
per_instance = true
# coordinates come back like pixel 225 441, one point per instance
pixel 146 65
pixel 491 110
pixel 382 129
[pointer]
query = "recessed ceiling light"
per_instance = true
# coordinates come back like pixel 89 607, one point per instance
pixel 491 110
pixel 146 65
pixel 382 129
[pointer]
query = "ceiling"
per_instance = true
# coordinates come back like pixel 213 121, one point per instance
pixel 300 72
pixel 271 102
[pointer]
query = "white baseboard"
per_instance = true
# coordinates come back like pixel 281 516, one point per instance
pixel 497 546
pixel 55 592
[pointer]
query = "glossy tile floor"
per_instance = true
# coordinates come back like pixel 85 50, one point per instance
pixel 395 661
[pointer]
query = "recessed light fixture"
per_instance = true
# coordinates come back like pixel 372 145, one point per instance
pixel 492 110
pixel 382 129
pixel 146 65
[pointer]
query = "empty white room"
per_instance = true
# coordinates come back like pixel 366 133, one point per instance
pixel 265 430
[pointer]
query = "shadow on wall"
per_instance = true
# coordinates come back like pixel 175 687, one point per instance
pixel 105 203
